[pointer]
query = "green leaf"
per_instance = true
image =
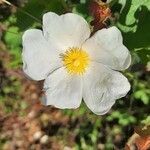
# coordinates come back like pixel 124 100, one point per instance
pixel 34 10
pixel 143 96
pixel 134 23
pixel 12 37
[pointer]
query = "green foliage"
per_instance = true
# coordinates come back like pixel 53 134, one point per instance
pixel 33 12
pixel 134 22
pixel 146 121
pixel 123 118
pixel 143 95
pixel 142 92
pixel 13 40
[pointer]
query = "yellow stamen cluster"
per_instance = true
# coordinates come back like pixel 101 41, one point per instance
pixel 75 60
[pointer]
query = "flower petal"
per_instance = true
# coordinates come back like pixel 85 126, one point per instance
pixel 39 57
pixel 63 90
pixel 102 86
pixel 106 47
pixel 68 30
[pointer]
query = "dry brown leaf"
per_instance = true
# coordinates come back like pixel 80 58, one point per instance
pixel 143 143
pixel 142 130
pixel 101 13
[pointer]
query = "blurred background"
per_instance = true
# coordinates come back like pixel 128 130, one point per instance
pixel 27 125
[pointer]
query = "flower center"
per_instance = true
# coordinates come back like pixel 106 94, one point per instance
pixel 75 60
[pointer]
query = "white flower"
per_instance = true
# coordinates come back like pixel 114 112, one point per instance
pixel 75 65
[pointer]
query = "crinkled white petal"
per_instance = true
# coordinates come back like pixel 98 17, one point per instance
pixel 106 47
pixel 102 86
pixel 39 56
pixel 67 30
pixel 63 90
